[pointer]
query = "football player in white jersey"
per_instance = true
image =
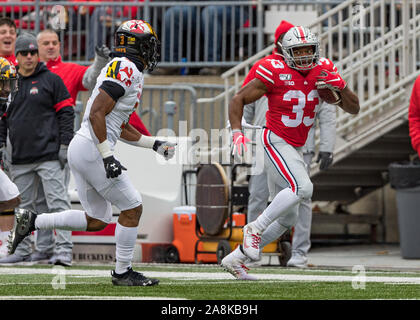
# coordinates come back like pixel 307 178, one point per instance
pixel 9 193
pixel 100 178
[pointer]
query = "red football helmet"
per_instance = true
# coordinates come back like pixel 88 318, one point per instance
pixel 138 38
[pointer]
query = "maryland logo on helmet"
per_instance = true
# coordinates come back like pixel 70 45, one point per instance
pixel 137 38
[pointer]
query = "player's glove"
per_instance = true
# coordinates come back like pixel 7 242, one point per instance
pixel 103 51
pixel 239 141
pixel 164 148
pixel 62 156
pixel 330 80
pixel 113 167
pixel 326 159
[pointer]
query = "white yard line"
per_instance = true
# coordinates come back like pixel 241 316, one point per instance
pixel 175 275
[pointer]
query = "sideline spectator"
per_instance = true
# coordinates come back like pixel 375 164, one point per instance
pixel 414 116
pixel 302 233
pixel 39 122
pixel 7 39
pixel 102 17
pixel 181 19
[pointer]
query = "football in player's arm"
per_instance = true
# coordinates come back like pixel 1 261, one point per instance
pixel 255 89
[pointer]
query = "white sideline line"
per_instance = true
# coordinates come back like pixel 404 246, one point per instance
pixel 214 275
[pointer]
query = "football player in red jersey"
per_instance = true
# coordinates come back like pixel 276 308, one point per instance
pixel 290 83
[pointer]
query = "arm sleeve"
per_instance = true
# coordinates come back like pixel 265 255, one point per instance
pixel 92 73
pixel 114 90
pixel 414 116
pixel 309 146
pixel 327 127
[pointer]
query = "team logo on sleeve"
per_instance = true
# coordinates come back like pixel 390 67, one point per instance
pixel 122 74
pixel 113 69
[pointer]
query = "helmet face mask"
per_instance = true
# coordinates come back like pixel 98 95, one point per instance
pixel 296 41
pixel 138 38
pixel 8 79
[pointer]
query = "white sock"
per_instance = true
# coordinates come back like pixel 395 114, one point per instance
pixel 273 232
pixel 125 238
pixel 74 220
pixel 282 202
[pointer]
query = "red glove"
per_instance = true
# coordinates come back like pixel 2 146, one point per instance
pixel 330 80
pixel 239 140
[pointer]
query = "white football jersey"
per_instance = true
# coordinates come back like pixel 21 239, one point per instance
pixel 125 73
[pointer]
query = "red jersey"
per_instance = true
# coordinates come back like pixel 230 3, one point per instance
pixel 293 99
pixel 71 74
pixel 414 116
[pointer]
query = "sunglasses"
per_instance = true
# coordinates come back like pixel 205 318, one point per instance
pixel 25 52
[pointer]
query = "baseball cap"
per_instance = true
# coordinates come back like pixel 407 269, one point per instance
pixel 25 42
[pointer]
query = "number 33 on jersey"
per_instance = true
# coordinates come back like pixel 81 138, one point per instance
pixel 293 99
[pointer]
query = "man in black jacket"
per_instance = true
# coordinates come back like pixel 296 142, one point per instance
pixel 39 124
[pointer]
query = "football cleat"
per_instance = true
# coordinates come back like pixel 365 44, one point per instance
pixel 234 263
pixel 251 242
pixel 23 225
pixel 132 278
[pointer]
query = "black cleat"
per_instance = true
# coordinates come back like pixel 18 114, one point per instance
pixel 132 278
pixel 23 226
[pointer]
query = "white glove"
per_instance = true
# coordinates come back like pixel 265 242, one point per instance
pixel 165 148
